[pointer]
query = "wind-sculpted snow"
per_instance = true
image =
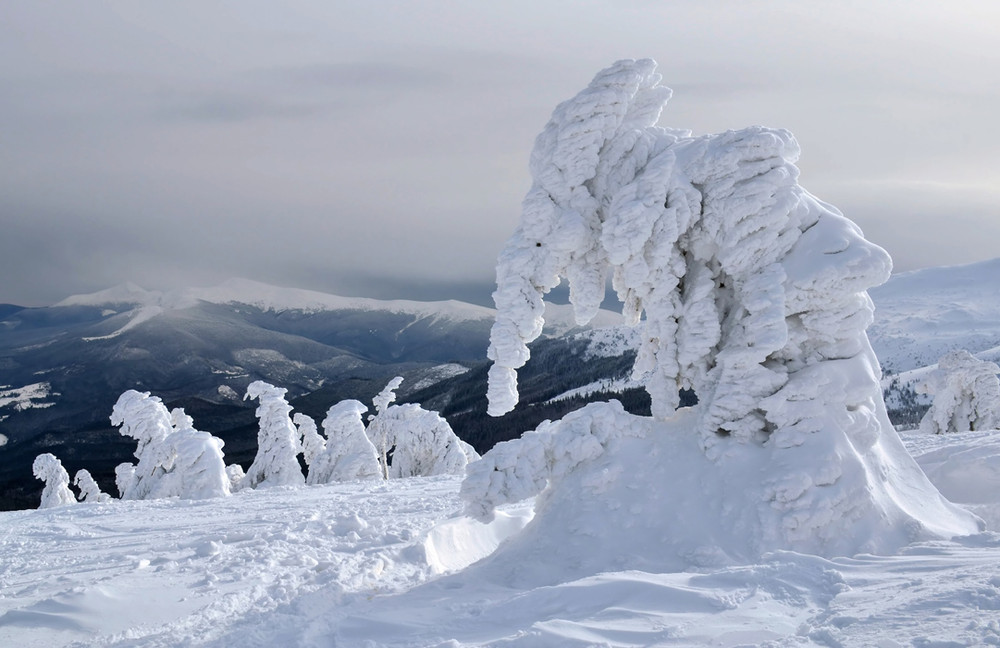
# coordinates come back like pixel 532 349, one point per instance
pixel 748 290
pixel 966 395
pixel 349 454
pixel 175 460
pixel 276 463
pixel 50 470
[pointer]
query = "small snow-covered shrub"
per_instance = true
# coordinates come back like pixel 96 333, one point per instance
pixel 966 395
pixel 50 470
pixel 276 462
pixel 90 491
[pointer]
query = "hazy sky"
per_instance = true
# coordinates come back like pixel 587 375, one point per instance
pixel 380 148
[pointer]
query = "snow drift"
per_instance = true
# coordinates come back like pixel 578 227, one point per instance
pixel 753 294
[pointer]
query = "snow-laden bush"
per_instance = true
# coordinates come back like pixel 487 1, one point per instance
pixel 90 491
pixel 50 470
pixel 753 295
pixel 966 395
pixel 276 462
pixel 421 442
pixel 173 461
pixel 349 454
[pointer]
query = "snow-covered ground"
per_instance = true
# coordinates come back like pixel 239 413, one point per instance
pixel 388 564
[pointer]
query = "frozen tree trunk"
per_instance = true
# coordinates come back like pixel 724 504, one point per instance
pixel 966 395
pixel 753 294
pixel 276 463
pixel 56 492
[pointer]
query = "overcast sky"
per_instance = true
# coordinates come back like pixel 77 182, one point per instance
pixel 380 148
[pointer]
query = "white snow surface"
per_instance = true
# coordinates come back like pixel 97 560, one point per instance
pixel 389 564
pixel 35 395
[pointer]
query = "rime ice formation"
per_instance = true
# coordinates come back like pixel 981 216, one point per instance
pixel 349 454
pixel 50 470
pixel 752 293
pixel 966 395
pixel 90 491
pixel 175 460
pixel 276 463
pixel 383 399
pixel 421 442
pixel 312 443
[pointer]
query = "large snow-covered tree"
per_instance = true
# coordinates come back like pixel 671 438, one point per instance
pixel 966 395
pixel 175 460
pixel 50 470
pixel 749 291
pixel 349 454
pixel 276 462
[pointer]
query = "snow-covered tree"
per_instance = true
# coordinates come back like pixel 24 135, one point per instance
pixel 421 443
pixel 276 463
pixel 50 470
pixel 90 491
pixel 349 454
pixel 236 476
pixel 377 433
pixel 750 291
pixel 144 418
pixel 175 460
pixel 312 442
pixel 966 395
pixel 385 397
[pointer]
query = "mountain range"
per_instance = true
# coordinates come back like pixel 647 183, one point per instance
pixel 63 367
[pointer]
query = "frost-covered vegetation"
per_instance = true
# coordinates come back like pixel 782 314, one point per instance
pixel 751 293
pixel 176 460
pixel 966 395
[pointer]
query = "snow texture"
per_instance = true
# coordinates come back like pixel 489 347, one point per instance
pixel 50 470
pixel 175 460
pixel 276 463
pixel 966 395
pixel 90 491
pixel 753 296
pixel 349 454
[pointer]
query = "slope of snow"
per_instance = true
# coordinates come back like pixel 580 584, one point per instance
pixel 30 396
pixel 921 315
pixel 387 565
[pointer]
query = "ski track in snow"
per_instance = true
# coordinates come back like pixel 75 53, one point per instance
pixel 362 564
